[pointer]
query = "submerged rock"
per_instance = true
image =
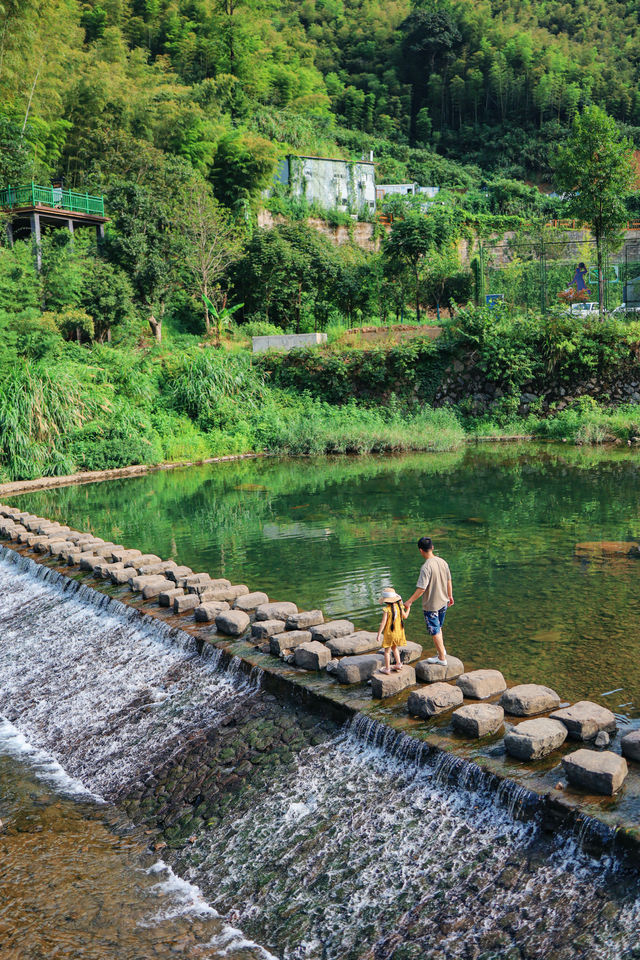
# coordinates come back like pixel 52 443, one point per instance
pixel 598 772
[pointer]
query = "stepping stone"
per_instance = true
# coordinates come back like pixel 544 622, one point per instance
pixel 105 551
pixel 104 569
pixel 597 772
pixel 151 590
pixel 57 549
pixel 311 656
pixel 141 559
pixel 210 610
pixel 480 684
pixel 225 593
pixel 232 622
pixel 630 745
pixel 435 672
pixel 157 569
pixel 250 601
pixel 478 719
pixel 533 739
pixel 358 669
pixel 88 545
pixel 121 554
pixel 121 576
pixel 89 561
pixel 584 720
pixel 305 619
pixel 434 699
pixel 276 611
pixel 166 598
pixel 263 629
pixel 191 579
pixel 331 630
pixel 185 602
pixel 387 685
pixel 364 641
pixel 137 581
pixel 176 571
pixel 288 640
pixel 526 699
pixel 410 652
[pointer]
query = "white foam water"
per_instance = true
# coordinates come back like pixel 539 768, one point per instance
pixel 366 849
pixel 98 687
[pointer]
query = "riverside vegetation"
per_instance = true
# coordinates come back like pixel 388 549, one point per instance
pixel 179 114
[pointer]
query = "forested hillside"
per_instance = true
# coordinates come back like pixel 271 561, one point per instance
pixel 230 84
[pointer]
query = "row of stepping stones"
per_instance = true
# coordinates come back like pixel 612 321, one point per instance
pixel 601 771
pixel 306 640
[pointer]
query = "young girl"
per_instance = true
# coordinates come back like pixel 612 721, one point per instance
pixel 391 632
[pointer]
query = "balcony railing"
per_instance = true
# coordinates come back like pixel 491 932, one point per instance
pixel 33 195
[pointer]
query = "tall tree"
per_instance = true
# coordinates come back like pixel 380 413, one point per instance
pixel 212 241
pixel 596 169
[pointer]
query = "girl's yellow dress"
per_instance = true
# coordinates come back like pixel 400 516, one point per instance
pixel 393 633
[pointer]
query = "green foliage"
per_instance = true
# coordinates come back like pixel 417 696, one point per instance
pixel 209 385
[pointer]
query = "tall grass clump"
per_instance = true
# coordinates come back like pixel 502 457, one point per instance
pixel 37 412
pixel 217 390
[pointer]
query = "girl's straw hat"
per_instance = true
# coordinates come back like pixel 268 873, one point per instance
pixel 389 596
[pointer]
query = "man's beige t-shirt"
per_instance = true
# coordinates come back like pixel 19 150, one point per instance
pixel 433 579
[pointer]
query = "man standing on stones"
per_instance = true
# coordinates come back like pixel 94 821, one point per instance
pixel 435 587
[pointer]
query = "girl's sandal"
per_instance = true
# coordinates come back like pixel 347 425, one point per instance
pixel 397 666
pixel 384 670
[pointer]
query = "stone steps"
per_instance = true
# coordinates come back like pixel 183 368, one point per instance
pixel 306 641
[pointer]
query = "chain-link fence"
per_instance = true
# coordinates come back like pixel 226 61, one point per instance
pixel 536 275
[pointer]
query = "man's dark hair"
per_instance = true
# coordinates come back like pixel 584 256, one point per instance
pixel 425 543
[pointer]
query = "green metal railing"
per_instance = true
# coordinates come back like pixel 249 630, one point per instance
pixel 33 195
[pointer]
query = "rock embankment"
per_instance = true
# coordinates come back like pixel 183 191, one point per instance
pixel 306 642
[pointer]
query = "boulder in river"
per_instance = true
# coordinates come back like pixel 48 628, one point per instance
pixel 630 745
pixel 250 601
pixel 262 629
pixel 478 719
pixel 185 601
pixel 331 630
pixel 595 771
pixel 526 699
pixel 434 672
pixel 389 684
pixel 359 668
pixel 288 640
pixel 433 699
pixel 607 549
pixel 363 641
pixel 232 622
pixel 312 655
pixel 533 739
pixel 209 611
pixel 481 684
pixel 305 619
pixel 151 590
pixel 584 719
pixel 281 610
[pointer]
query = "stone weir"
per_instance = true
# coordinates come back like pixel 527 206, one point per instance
pixel 567 763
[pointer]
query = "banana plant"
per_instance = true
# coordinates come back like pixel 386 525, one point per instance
pixel 221 318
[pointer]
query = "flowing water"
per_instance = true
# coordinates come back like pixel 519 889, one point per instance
pixel 318 843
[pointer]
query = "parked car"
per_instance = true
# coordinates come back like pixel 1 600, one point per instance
pixel 584 307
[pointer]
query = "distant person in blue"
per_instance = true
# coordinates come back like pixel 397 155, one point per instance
pixel 580 278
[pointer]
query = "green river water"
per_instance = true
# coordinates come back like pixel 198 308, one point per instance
pixel 331 533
